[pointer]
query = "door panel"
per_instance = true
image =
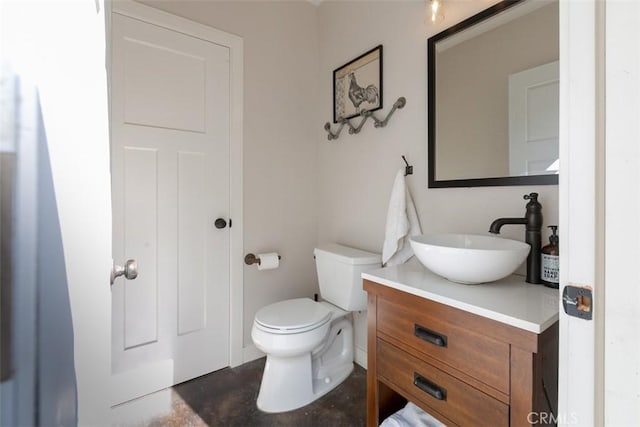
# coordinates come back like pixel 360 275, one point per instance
pixel 170 176
pixel 534 120
pixel 192 246
pixel 184 103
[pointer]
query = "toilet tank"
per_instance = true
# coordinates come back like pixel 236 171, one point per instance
pixel 339 268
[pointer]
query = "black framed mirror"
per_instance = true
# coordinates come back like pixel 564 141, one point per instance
pixel 493 91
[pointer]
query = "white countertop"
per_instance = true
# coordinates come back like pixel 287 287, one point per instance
pixel 511 300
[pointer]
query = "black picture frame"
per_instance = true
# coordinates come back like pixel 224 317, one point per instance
pixel 357 85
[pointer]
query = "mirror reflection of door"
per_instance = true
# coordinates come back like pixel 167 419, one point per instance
pixel 534 120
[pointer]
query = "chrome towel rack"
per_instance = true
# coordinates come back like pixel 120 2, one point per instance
pixel 365 114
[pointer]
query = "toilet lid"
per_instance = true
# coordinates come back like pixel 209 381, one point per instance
pixel 293 315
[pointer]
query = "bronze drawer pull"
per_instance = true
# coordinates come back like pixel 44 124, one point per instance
pixel 428 387
pixel 430 336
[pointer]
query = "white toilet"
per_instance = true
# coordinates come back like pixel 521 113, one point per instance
pixel 309 345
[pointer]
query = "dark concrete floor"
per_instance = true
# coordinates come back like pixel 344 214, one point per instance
pixel 228 398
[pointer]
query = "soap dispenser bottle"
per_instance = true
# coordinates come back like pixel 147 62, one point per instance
pixel 550 264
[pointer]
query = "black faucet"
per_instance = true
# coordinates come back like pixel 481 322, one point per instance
pixel 533 222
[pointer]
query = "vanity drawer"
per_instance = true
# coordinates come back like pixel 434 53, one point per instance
pixel 424 329
pixel 422 382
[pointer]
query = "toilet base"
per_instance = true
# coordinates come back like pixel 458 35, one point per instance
pixel 290 383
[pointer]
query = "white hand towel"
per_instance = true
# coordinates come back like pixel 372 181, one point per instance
pixel 402 222
pixel 411 416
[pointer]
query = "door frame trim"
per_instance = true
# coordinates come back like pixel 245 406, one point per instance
pixel 581 198
pixel 236 77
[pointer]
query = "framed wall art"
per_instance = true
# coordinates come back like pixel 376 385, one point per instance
pixel 357 85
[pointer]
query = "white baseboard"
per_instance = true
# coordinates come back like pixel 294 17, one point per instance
pixel 251 353
pixel 361 357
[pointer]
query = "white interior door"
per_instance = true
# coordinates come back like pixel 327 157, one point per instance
pixel 581 204
pixel 534 120
pixel 170 181
pixel 621 358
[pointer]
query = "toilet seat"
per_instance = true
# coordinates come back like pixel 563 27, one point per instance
pixel 292 316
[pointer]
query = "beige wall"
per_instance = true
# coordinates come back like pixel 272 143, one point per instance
pixel 355 173
pixel 300 189
pixel 473 93
pixel 280 100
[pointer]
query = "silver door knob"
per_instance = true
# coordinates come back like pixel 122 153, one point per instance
pixel 129 271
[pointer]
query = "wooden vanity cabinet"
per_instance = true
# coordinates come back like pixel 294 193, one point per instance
pixel 462 368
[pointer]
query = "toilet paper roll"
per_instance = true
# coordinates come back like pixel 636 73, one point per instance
pixel 268 261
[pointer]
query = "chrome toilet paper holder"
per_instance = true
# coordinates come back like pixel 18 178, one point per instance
pixel 250 259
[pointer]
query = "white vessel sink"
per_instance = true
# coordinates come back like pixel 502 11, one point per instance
pixel 468 258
